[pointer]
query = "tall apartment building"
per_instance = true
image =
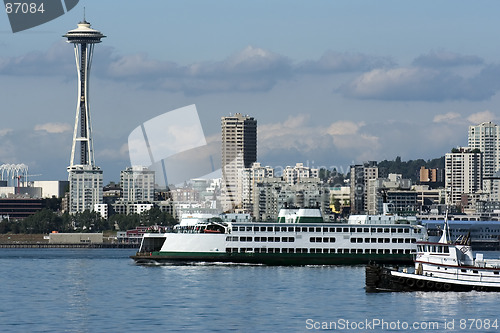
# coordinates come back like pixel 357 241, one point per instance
pixel 239 151
pixel 360 176
pixel 250 177
pixel 138 184
pixel 463 170
pixel 486 138
pixel 292 175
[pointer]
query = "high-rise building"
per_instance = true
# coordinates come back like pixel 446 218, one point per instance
pixel 249 179
pixel 85 178
pixel 486 138
pixel 360 176
pixel 239 151
pixel 463 174
pixel 292 175
pixel 138 184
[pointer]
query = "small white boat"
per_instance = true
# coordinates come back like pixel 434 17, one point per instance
pixel 439 266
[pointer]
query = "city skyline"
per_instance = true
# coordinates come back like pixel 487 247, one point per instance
pixel 332 84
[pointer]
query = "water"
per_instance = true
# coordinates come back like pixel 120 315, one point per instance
pixel 102 290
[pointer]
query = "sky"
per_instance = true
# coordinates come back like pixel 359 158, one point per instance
pixel 331 83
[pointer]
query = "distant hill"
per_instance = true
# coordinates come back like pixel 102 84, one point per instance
pixel 409 169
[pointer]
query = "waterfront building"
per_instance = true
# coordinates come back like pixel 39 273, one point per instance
pixel 138 184
pixel 249 179
pixel 360 176
pixel 272 194
pixel 85 178
pixel 239 151
pixel 395 190
pixel 486 138
pixel 292 175
pixel 463 170
pixel 434 178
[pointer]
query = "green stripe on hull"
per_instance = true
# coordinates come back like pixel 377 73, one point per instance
pixel 285 259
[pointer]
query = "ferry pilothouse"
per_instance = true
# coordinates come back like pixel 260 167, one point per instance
pixel 299 237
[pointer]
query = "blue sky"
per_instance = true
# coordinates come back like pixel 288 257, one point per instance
pixel 330 83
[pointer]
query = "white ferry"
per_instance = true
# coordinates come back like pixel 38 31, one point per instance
pixel 440 266
pixel 300 237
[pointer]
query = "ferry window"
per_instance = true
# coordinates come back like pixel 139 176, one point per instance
pixel 318 229
pixel 255 228
pixel 360 251
pixel 312 250
pixel 291 250
pixel 379 229
pixel 284 239
pixel 401 251
pixel 413 240
pixel 311 229
pixel 228 238
pixel 263 239
pixel 475 271
pixel 256 250
pixel 393 230
pixel 353 240
pixel 407 251
pixel 276 239
pixel 496 273
pixel 367 240
pixel 394 240
pixel 373 251
pixel 270 250
pixel 373 240
pixel 366 229
pixel 346 229
pixel 318 239
pixel 277 250
pixel 284 250
pixel 262 228
pixel 290 228
pixel 353 230
pixel 359 230
pixel 400 240
pixel 339 229
pixel 325 239
pixel 386 230
pixel 407 231
pixel 387 240
pixel 325 251
pixel 332 239
pixel 257 239
pixel 325 229
pixel 463 270
pixel 249 228
pixel 269 228
pixel 312 239
pixel 332 229
pixel 380 240
pixel 304 229
pixel 263 250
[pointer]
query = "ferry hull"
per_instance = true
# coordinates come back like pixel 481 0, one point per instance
pixel 383 279
pixel 281 259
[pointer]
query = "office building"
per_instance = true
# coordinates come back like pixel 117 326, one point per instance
pixel 463 170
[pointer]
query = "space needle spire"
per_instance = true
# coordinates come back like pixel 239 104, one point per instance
pixel 85 178
pixel 84 38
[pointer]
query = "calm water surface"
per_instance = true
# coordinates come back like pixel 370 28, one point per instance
pixel 102 290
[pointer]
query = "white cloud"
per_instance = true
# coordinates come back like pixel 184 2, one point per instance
pixel 53 127
pixel 447 117
pixel 5 131
pixel 444 58
pixel 481 117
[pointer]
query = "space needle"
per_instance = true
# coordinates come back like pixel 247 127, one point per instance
pixel 85 178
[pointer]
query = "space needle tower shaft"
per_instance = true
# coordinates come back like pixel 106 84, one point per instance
pixel 84 38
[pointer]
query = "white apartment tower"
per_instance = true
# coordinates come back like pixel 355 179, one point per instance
pixel 249 179
pixel 486 138
pixel 239 151
pixel 85 178
pixel 293 175
pixel 138 184
pixel 462 174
